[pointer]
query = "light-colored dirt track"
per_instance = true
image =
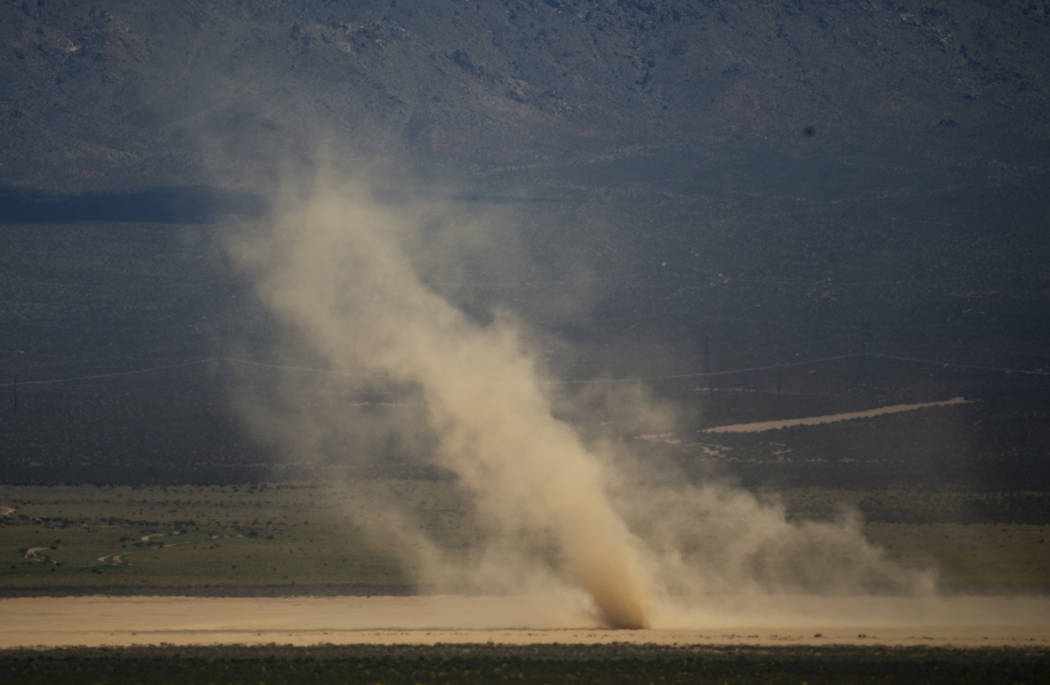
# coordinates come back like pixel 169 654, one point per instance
pixel 763 426
pixel 963 621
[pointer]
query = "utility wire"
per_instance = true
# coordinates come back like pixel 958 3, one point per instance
pixel 955 365
pixel 711 374
pixel 1041 372
pixel 306 369
pixel 114 374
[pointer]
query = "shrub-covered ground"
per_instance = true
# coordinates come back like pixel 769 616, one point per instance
pixel 615 663
pixel 278 539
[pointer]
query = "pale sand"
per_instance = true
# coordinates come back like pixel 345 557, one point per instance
pixel 763 426
pixel 121 621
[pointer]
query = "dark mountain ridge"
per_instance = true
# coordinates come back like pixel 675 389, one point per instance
pixel 123 94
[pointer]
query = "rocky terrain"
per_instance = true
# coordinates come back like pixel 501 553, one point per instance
pixel 114 95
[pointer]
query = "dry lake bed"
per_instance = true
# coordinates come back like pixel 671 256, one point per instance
pixel 984 621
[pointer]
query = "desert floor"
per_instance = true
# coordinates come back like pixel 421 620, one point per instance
pixel 778 620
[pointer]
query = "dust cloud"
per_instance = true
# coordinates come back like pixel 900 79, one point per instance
pixel 570 517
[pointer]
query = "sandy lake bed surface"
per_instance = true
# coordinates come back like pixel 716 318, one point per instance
pixel 519 620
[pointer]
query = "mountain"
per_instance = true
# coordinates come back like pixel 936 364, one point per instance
pixel 119 95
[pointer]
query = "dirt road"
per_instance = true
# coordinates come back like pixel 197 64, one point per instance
pixel 762 426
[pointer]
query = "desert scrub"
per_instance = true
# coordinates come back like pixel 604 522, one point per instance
pixel 613 663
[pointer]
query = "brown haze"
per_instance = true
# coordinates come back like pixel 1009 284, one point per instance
pixel 355 280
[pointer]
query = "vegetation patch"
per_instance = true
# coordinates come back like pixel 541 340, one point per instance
pixel 615 663
pixel 286 539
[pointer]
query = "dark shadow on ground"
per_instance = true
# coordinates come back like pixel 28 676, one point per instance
pixel 187 205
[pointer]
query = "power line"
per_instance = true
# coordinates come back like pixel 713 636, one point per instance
pixel 305 369
pixel 711 374
pixel 114 374
pixel 1040 372
pixel 956 365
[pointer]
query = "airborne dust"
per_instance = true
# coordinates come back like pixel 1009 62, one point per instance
pixel 566 517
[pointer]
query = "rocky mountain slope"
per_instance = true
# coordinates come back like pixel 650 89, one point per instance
pixel 118 94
